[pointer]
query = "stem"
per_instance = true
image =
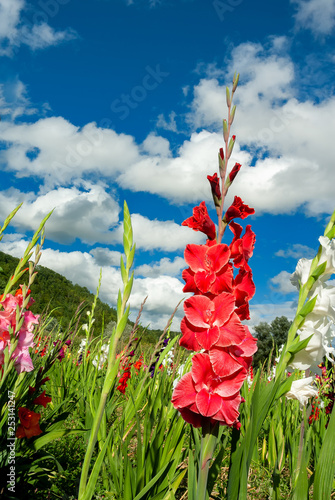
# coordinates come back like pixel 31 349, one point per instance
pixel 222 225
pixel 208 444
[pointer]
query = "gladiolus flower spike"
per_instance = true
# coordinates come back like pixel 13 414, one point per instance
pixel 212 327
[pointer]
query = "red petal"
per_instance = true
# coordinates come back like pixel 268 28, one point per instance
pixel 195 310
pixel 231 385
pixel 223 363
pixel 184 393
pixel 207 337
pixel 229 410
pixel 201 370
pixel 204 281
pixel 188 277
pixel 188 339
pixel 218 255
pixel 208 403
pixel 191 417
pixel 224 306
pixel 195 257
pixel 232 332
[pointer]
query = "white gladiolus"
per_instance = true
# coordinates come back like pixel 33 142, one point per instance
pixel 301 273
pixel 325 302
pixel 302 390
pixel 99 360
pixel 328 254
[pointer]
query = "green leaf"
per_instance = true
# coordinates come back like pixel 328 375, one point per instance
pixel 307 308
pixel 50 436
pixel 298 345
pixel 325 468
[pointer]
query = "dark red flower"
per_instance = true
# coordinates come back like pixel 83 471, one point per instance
pixel 201 221
pixel 29 425
pixel 241 249
pixel 215 187
pixel 42 400
pixel 238 210
pixel 235 170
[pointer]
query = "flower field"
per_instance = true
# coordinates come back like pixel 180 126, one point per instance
pixel 84 417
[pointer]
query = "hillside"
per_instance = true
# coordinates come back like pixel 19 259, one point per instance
pixel 53 292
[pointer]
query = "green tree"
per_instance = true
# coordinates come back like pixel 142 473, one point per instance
pixel 270 337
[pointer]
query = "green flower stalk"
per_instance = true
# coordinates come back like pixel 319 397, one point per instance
pixel 88 481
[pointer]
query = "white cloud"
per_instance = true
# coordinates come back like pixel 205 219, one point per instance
pixel 165 266
pixel 297 251
pixel 269 311
pixel 16 29
pixel 105 257
pixel 282 283
pixel 317 16
pixel 164 292
pixel 85 214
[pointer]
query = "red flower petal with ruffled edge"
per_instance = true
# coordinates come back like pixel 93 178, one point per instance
pixel 207 337
pixel 208 403
pixel 188 277
pixel 244 283
pixel 204 281
pixel 232 332
pixel 195 256
pixel 205 313
pixel 188 339
pixel 230 386
pixel 238 209
pixel 228 413
pixel 248 347
pixel 202 371
pixel 223 363
pixel 223 281
pixel 184 393
pixel 201 221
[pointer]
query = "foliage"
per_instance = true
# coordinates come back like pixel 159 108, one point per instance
pixel 270 338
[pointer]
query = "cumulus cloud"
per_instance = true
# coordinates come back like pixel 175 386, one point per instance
pixel 164 292
pixel 282 283
pixel 297 251
pixel 165 266
pixel 317 16
pixel 84 214
pixel 16 29
pixel 269 311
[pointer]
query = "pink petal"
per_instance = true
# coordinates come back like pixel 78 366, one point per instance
pixel 228 412
pixel 191 417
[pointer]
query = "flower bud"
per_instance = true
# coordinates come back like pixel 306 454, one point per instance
pixel 221 162
pixel 231 145
pixel 232 115
pixel 225 131
pixel 235 81
pixel 228 97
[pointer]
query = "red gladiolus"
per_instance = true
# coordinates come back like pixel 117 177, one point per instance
pixel 42 400
pixel 29 425
pixel 201 221
pixel 209 269
pixel 241 249
pixel 238 210
pixel 201 393
pixel 123 382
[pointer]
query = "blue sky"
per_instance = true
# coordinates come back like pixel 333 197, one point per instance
pixel 110 100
